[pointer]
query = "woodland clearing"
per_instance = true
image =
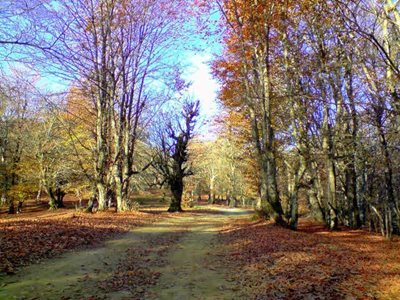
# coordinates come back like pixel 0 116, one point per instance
pixel 136 134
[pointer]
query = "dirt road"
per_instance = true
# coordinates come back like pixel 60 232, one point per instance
pixel 171 259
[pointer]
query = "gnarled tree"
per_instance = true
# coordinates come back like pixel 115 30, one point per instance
pixel 172 156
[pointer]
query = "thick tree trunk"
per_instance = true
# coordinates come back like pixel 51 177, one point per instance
pixel 52 197
pixel 101 196
pixel 176 201
pixel 270 200
pixel 56 198
pixel 60 197
pixel 119 196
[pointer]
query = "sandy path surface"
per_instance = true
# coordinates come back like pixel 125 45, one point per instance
pixel 171 259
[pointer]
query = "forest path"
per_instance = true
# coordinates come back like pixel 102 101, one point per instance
pixel 171 259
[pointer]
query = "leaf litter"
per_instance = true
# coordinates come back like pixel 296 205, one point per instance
pixel 271 262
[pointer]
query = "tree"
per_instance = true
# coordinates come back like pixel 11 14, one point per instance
pixel 57 157
pixel 173 155
pixel 250 30
pixel 16 98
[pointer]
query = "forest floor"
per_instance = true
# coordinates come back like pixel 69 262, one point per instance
pixel 169 259
pixel 205 253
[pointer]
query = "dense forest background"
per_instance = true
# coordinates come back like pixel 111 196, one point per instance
pixel 309 117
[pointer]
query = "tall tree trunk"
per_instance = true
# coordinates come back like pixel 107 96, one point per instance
pixel 328 145
pixel 391 201
pixel 260 107
pixel 100 174
pixel 352 184
pixel 103 108
pixel 333 221
pixel 294 173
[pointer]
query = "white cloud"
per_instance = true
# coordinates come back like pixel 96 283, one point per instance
pixel 203 88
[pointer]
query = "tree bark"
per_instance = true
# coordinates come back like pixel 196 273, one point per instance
pixel 177 191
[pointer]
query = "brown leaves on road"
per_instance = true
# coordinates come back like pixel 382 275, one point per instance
pixel 136 271
pixel 25 240
pixel 271 262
